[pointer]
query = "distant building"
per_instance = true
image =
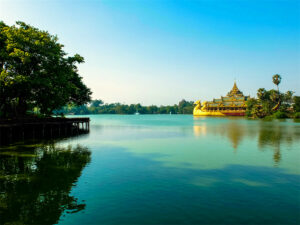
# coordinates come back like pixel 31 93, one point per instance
pixel 233 104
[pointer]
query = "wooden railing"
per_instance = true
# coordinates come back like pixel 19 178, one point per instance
pixel 34 128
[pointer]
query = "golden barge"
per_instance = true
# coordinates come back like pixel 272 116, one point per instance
pixel 233 104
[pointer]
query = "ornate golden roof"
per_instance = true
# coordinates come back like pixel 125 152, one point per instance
pixel 234 98
pixel 235 91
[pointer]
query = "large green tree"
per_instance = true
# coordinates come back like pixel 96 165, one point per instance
pixel 36 73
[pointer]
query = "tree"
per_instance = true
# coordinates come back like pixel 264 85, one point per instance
pixel 288 97
pixel 185 107
pixel 273 96
pixel 261 94
pixel 296 103
pixel 35 72
pixel 277 80
pixel 251 104
pixel 272 103
pixel 96 103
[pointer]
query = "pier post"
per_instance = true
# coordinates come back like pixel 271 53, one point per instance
pixel 23 133
pixel 10 134
pixel 43 130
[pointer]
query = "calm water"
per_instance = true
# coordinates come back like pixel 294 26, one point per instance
pixel 157 169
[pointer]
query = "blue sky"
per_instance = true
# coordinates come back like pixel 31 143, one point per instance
pixel 159 52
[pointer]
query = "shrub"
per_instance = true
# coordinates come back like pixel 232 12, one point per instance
pixel 268 118
pixel 297 115
pixel 280 115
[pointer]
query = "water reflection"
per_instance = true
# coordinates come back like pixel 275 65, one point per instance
pixel 232 130
pixel 35 182
pixel 268 134
pixel 274 135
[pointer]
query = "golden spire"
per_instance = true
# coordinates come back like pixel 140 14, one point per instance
pixel 235 91
pixel 235 88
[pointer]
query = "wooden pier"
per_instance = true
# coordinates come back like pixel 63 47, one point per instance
pixel 21 129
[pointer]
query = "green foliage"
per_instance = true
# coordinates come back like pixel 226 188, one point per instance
pixel 250 105
pixel 264 105
pixel 280 115
pixel 268 118
pixel 184 107
pixel 36 73
pixel 297 115
pixel 96 103
pixel 254 108
pixel 276 79
pixel 262 94
pixel 296 103
pixel 272 103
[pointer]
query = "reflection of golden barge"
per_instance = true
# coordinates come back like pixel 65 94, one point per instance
pixel 233 104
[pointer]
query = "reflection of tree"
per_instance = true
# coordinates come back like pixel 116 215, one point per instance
pixel 271 134
pixel 35 184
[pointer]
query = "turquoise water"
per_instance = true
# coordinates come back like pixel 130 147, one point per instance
pixel 157 169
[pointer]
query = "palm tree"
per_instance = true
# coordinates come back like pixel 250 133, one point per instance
pixel 276 81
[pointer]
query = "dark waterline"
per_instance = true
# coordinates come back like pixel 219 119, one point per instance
pixel 157 169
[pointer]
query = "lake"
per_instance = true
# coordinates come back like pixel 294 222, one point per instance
pixel 156 169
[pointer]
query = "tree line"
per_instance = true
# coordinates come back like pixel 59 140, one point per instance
pixel 98 107
pixel 268 104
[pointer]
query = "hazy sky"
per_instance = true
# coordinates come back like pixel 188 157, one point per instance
pixel 159 52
